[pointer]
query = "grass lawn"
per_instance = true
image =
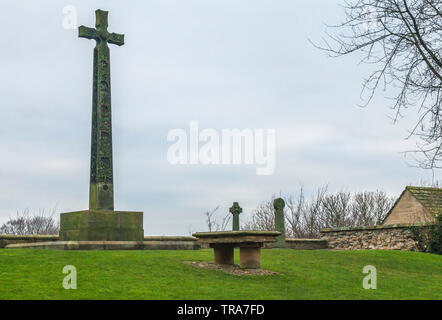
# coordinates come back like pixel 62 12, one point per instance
pixel 317 274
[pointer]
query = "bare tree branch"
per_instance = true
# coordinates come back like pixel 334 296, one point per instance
pixel 404 39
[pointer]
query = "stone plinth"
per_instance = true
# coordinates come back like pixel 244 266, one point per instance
pixel 249 243
pixel 110 245
pixel 101 225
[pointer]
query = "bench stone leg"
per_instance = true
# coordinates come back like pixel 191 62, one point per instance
pixel 223 254
pixel 250 257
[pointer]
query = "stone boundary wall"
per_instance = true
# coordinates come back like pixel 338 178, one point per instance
pixel 170 243
pixel 300 244
pixel 305 244
pixel 6 239
pixel 150 242
pixel 381 237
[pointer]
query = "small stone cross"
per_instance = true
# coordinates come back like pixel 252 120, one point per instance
pixel 235 210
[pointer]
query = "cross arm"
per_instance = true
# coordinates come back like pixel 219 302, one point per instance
pixel 116 38
pixel 88 33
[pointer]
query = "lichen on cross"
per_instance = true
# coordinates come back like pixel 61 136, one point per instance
pixel 100 34
pixel 235 210
pixel 101 191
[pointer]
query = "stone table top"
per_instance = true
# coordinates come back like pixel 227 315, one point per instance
pixel 237 237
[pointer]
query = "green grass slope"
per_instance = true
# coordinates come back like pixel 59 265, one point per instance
pixel 320 274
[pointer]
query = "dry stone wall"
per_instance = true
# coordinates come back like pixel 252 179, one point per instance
pixel 382 237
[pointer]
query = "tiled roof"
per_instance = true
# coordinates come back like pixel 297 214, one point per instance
pixel 430 198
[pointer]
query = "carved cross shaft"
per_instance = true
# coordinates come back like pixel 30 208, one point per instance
pixel 101 192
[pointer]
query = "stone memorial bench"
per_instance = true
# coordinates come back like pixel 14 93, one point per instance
pixel 248 242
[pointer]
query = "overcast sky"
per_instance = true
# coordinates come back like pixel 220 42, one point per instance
pixel 224 63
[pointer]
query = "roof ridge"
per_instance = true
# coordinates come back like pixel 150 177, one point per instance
pixel 426 188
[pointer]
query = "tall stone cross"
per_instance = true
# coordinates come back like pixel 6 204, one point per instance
pixel 235 210
pixel 101 192
pixel 101 222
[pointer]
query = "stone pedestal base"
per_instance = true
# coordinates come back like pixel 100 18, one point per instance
pixel 101 225
pixel 248 241
pixel 223 254
pixel 250 257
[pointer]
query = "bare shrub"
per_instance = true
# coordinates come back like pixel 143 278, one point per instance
pixel 336 211
pixel 305 217
pixel 213 224
pixel 263 218
pixel 26 224
pixel 370 208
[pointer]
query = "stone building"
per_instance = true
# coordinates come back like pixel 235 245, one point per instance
pixel 415 205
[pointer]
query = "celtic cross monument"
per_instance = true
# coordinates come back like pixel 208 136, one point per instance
pixel 101 184
pixel 235 210
pixel 101 222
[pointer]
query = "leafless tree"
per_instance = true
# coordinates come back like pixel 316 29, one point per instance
pixel 312 214
pixel 296 208
pixel 263 218
pixel 27 224
pixel 370 208
pixel 403 40
pixel 213 224
pixel 383 204
pixel 336 210
pixel 305 217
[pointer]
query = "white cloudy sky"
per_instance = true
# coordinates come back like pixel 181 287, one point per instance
pixel 225 63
